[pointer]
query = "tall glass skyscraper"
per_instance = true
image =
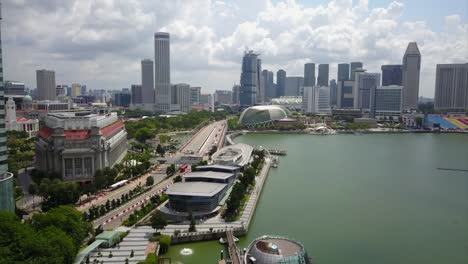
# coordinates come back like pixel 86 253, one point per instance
pixel 250 79
pixel 7 202
pixel 411 70
pixel 147 82
pixel 392 75
pixel 322 75
pixel 343 72
pixel 162 72
pixel 309 74
pixel 354 67
pixel 280 83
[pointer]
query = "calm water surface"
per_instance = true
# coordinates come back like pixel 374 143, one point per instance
pixel 362 199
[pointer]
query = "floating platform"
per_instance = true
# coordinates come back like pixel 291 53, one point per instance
pixel 278 152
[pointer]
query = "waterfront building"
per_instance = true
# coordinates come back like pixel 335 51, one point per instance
pixel 7 201
pixel 345 94
pixel 196 197
pixel 309 74
pixel 270 88
pixel 12 123
pixel 195 95
pixel 76 89
pixel 323 72
pixel 76 144
pixel 411 71
pixel 46 85
pixel 275 249
pixel 210 176
pixel 181 96
pixel 294 86
pixel 451 87
pixel 162 71
pixel 292 103
pixel 354 67
pixel 234 155
pixel 364 84
pixel 316 100
pixel 343 72
pixel 137 94
pixel 219 168
pixel 333 92
pixel 222 97
pixel 250 79
pixel 147 82
pixel 235 94
pixel 263 115
pixel 280 83
pixel 386 101
pixel 14 88
pixel 392 75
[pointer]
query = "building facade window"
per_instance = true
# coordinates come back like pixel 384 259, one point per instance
pixel 68 168
pixel 78 167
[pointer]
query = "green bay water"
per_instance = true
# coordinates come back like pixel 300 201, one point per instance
pixel 376 198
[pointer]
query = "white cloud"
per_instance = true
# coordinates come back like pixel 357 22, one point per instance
pixel 101 43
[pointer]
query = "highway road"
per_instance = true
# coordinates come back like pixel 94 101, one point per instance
pixel 202 141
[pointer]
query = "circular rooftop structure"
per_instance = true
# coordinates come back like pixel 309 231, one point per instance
pixel 274 249
pixel 263 114
pixel 27 98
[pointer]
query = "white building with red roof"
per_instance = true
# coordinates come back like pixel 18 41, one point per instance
pixel 14 123
pixel 76 144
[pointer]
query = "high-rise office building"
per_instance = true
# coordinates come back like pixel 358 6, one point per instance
pixel 270 88
pixel 195 95
pixel 316 100
pixel 386 101
pixel 451 87
pixel 261 86
pixel 250 79
pixel 235 94
pixel 333 92
pixel 147 81
pixel 345 94
pixel 280 83
pixel 354 67
pixel 181 96
pixel 222 97
pixel 162 70
pixel 84 91
pixel 137 94
pixel 392 75
pixel 323 70
pixel 411 70
pixel 122 99
pixel 46 85
pixel 7 202
pixel 294 86
pixel 364 84
pixel 343 72
pixel 309 74
pixel 76 90
pixel 14 88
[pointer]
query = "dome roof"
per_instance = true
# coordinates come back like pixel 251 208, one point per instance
pixel 275 250
pixel 263 114
pixel 27 98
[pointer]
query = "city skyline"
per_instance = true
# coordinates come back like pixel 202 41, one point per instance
pixel 201 48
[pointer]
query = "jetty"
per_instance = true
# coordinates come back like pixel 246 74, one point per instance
pixel 278 152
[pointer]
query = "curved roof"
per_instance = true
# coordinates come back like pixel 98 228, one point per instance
pixel 263 114
pixel 273 249
pixel 27 98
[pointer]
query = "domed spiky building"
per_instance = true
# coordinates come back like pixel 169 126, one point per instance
pixel 263 115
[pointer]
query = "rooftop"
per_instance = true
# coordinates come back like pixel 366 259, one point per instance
pixel 207 189
pixel 218 166
pixel 209 174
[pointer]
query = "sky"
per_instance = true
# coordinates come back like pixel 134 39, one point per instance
pixel 101 43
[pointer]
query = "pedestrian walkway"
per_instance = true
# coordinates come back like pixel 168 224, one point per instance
pixel 137 240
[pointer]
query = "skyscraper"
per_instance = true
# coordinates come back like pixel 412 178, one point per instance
pixel 316 100
pixel 385 101
pixel 354 66
pixel 267 79
pixel 235 94
pixel 147 82
pixel 392 75
pixel 333 92
pixel 195 95
pixel 76 89
pixel 46 88
pixel 7 202
pixel 250 79
pixel 451 87
pixel 309 74
pixel 181 94
pixel 323 75
pixel 280 83
pixel 343 72
pixel 365 83
pixel 345 94
pixel 261 85
pixel 137 94
pixel 294 86
pixel 411 70
pixel 162 70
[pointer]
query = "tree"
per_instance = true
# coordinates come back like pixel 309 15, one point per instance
pixel 158 221
pixel 192 227
pixel 164 243
pixel 419 121
pixel 132 253
pixel 149 181
pixel 160 150
pixel 178 178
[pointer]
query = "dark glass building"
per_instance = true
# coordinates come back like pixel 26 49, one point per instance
pixel 392 75
pixel 343 72
pixel 280 83
pixel 250 79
